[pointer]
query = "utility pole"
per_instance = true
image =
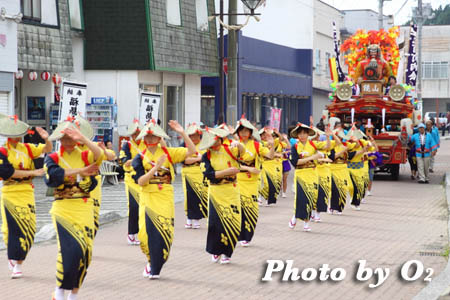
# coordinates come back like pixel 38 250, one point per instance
pixel 380 14
pixel 232 64
pixel 221 117
pixel 420 20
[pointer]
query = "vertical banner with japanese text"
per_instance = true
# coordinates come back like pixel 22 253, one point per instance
pixel 411 68
pixel 149 107
pixel 73 100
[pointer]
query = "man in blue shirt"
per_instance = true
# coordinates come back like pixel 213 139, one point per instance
pixel 425 145
pixel 432 129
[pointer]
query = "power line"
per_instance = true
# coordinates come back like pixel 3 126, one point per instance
pixel 404 3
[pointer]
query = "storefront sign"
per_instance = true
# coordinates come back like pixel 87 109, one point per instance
pixel 73 100
pixel 275 118
pixel 149 107
pixel 102 100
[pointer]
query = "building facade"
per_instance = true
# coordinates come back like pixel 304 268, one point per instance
pixel 366 19
pixel 274 67
pixel 156 46
pixel 435 68
pixel 44 49
pixel 8 57
pixel 324 16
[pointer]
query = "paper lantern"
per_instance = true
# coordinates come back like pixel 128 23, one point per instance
pixel 56 78
pixel 32 76
pixel 45 75
pixel 18 75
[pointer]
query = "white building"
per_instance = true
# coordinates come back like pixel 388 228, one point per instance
pixel 324 15
pixel 435 67
pixel 364 19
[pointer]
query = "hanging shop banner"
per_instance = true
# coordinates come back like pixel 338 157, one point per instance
pixel 275 118
pixel 149 107
pixel 73 100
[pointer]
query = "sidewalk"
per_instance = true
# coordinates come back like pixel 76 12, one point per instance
pixel 402 221
pixel 114 206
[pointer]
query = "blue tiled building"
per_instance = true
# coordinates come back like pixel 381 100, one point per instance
pixel 269 75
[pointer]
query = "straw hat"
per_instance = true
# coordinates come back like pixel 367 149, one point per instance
pixel 266 130
pixel 340 133
pixel 10 126
pixel 333 121
pixel 310 130
pixel 193 128
pixel 358 134
pixel 210 136
pixel 133 127
pixel 85 127
pixel 154 129
pixel 246 124
pixel 57 134
pixel 317 132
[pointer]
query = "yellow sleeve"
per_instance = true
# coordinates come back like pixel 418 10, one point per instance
pixel 350 146
pixel 235 151
pixel 263 149
pixel 111 152
pixel 276 142
pixel 177 154
pixel 99 160
pixel 37 149
pixel 320 145
pixel 332 144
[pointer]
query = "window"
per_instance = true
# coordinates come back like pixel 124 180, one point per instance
pixel 31 9
pixel 174 110
pixel 318 71
pixel 201 8
pixel 44 12
pixel 435 70
pixel 173 12
pixel 208 110
pixel 76 21
pixel 327 58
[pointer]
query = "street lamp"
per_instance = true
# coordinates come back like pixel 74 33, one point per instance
pixel 251 5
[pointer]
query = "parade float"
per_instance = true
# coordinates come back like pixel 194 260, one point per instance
pixel 365 97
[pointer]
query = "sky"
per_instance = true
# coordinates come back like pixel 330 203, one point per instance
pixel 389 8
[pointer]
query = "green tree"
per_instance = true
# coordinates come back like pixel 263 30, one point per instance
pixel 441 16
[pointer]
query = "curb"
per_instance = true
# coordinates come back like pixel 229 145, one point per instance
pixel 440 285
pixel 48 233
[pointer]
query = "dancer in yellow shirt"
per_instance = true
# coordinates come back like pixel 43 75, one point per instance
pixel 17 200
pixel 128 152
pixel 72 173
pixel 153 171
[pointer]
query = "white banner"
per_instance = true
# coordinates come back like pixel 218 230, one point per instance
pixel 149 107
pixel 73 100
